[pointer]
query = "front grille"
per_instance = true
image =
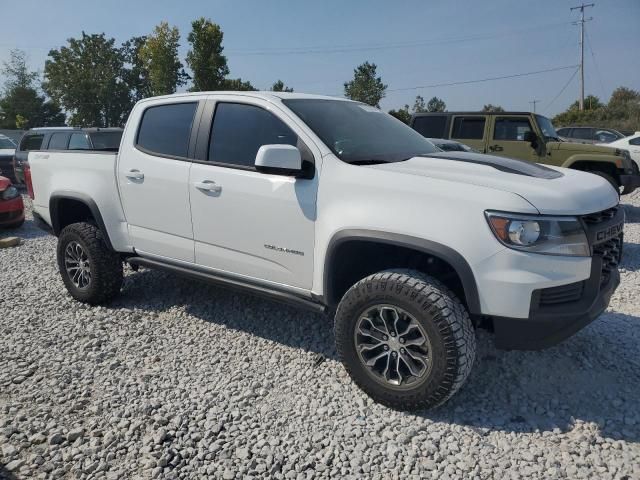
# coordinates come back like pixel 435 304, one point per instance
pixel 599 217
pixel 611 254
pixel 562 294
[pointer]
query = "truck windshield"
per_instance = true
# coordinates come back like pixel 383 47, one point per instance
pixel 547 128
pixel 105 140
pixel 359 133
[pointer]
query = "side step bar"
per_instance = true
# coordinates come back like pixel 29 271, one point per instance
pixel 259 290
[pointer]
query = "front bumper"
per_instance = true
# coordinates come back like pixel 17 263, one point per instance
pixel 548 325
pixel 555 312
pixel 630 182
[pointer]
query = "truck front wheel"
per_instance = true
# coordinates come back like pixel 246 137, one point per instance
pixel 405 339
pixel 90 270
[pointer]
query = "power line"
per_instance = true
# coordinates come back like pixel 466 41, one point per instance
pixel 595 64
pixel 563 88
pixel 480 80
pixel 386 46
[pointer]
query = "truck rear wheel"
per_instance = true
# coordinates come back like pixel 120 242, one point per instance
pixel 405 339
pixel 90 270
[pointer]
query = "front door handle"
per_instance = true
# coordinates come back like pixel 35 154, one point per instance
pixel 134 174
pixel 208 186
pixel 495 148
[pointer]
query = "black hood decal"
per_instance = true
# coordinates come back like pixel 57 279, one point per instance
pixel 508 165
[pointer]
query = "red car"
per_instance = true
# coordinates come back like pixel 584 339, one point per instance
pixel 11 205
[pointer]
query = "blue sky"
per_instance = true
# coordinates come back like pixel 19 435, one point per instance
pixel 314 46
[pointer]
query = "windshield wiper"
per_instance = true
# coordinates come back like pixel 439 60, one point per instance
pixel 367 162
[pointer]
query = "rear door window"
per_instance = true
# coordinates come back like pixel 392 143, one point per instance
pixel 430 126
pixel 468 128
pixel 79 141
pixel 58 141
pixel 165 130
pixel 582 133
pixel 31 142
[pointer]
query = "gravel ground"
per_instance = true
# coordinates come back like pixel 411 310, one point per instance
pixel 178 379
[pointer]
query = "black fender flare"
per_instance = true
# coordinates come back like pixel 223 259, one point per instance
pixel 54 203
pixel 435 249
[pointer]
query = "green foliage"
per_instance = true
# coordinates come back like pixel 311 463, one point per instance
pixel 159 56
pixel 87 78
pixel 365 87
pixel 419 105
pixel 205 59
pixel 21 106
pixel 279 86
pixel 436 105
pixel 238 85
pixel 591 102
pixel 402 114
pixel 135 74
pixel 621 113
pixel 492 108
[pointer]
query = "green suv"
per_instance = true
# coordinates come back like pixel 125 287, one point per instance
pixel 531 137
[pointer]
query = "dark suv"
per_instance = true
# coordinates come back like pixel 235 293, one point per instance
pixel 64 138
pixel 589 134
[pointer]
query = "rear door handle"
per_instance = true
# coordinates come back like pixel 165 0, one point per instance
pixel 495 148
pixel 134 174
pixel 208 186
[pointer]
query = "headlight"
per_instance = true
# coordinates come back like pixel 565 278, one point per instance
pixel 9 193
pixel 540 234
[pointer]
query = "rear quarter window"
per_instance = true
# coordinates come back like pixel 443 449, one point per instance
pixel 31 142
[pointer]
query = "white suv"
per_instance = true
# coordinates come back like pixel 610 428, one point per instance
pixel 336 206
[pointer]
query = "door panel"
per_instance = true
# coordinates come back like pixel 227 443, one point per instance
pixel 251 223
pixel 470 130
pixel 153 176
pixel 506 139
pixel 257 225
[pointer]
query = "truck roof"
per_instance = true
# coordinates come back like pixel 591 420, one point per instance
pixel 424 114
pixel 266 95
pixel 79 129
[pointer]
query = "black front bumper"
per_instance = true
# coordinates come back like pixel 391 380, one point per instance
pixel 556 313
pixel 630 182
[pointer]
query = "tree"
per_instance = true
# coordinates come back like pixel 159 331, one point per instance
pixel 238 85
pixel 159 56
pixel 419 105
pixel 402 114
pixel 279 86
pixel 436 105
pixel 87 77
pixel 21 105
pixel 622 96
pixel 205 59
pixel 492 108
pixel 135 74
pixel 365 87
pixel 591 102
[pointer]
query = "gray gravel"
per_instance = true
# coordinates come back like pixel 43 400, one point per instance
pixel 177 379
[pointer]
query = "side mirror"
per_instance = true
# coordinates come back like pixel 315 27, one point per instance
pixel 531 137
pixel 279 160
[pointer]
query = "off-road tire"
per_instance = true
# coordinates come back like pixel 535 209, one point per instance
pixel 105 264
pixel 440 313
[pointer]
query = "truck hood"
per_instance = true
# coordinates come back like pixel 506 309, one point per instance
pixel 581 148
pixel 552 191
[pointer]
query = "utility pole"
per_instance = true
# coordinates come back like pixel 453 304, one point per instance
pixel 581 22
pixel 533 102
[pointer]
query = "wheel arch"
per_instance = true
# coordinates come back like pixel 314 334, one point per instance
pixel 412 248
pixel 71 207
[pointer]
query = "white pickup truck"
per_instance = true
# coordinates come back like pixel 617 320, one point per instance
pixel 336 206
